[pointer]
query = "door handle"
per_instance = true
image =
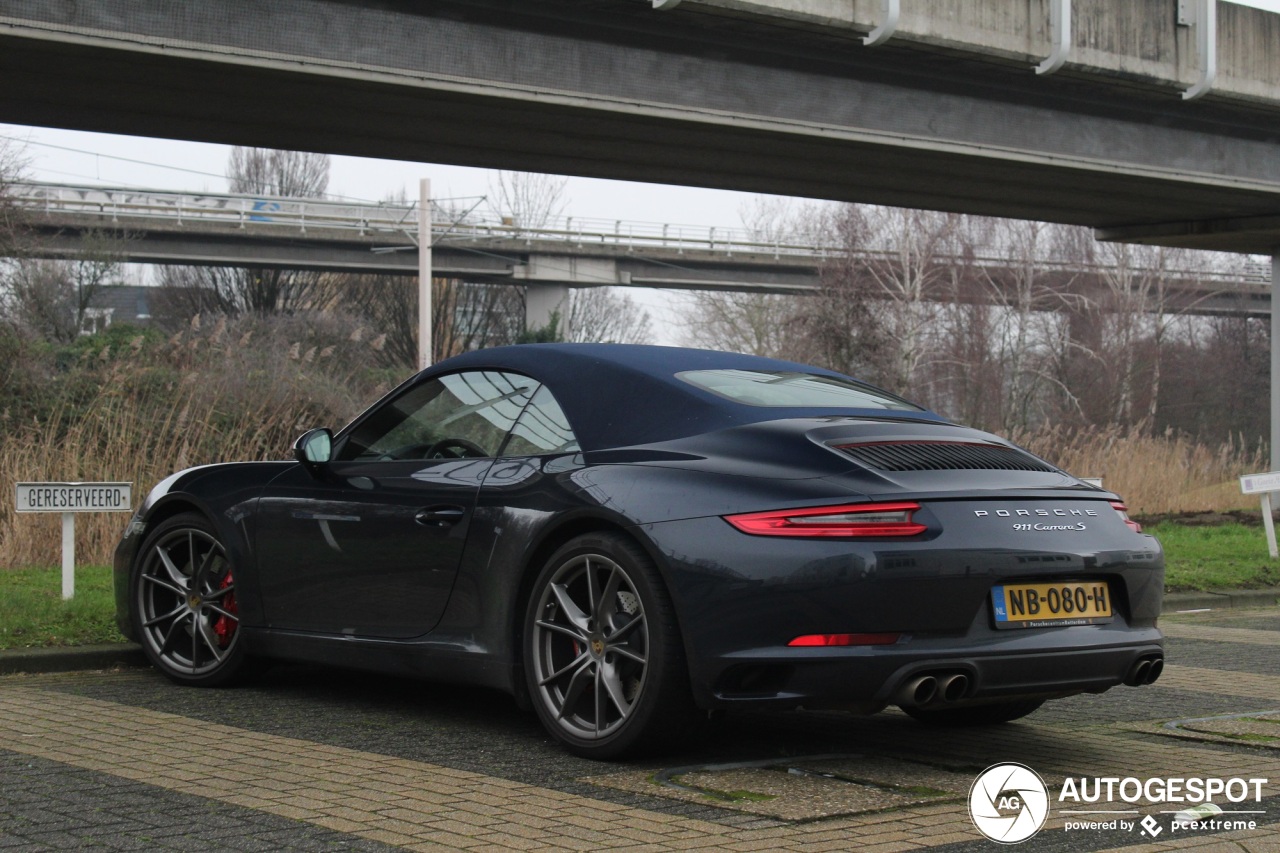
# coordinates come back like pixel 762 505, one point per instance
pixel 440 516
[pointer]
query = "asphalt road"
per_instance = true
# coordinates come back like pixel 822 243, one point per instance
pixel 306 758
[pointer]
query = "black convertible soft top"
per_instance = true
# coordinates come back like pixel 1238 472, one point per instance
pixel 620 395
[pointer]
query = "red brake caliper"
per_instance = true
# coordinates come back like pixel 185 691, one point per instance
pixel 224 627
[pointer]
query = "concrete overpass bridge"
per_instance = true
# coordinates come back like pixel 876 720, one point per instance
pixel 222 229
pixel 943 109
pixel 1149 120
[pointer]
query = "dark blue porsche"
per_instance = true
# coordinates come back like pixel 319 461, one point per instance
pixel 626 537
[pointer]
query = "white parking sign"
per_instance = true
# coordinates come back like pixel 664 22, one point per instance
pixel 1264 485
pixel 70 498
pixel 74 497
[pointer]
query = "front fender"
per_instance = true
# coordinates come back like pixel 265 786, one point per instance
pixel 225 494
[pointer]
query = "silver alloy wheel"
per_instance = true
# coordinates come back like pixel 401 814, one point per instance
pixel 590 646
pixel 186 601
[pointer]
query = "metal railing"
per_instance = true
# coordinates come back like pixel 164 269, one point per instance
pixel 400 222
pixel 299 214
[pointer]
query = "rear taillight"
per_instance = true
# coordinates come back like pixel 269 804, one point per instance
pixel 852 520
pixel 1124 516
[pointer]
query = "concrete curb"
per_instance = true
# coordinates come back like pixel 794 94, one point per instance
pixel 71 658
pixel 1226 600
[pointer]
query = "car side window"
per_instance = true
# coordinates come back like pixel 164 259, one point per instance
pixel 542 428
pixel 461 415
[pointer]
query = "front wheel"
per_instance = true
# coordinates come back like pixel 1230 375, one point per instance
pixel 602 653
pixel 184 604
pixel 990 714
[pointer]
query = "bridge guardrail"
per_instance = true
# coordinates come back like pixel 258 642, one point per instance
pixel 294 214
pixel 297 214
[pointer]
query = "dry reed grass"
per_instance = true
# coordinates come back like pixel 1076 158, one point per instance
pixel 139 413
pixel 119 440
pixel 1155 474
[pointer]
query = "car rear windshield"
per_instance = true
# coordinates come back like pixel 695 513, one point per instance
pixel 781 389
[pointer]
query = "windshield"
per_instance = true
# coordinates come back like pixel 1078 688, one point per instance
pixel 781 389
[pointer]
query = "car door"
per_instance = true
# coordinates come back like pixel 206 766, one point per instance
pixel 370 546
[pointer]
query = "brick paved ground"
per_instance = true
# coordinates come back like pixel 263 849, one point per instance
pixel 312 759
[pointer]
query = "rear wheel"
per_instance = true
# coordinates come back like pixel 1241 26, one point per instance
pixel 990 714
pixel 184 604
pixel 603 658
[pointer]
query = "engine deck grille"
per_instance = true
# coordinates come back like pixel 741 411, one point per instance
pixel 942 456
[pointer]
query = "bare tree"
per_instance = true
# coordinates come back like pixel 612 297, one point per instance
pixel 527 199
pixel 53 297
pixel 841 327
pixel 753 323
pixel 534 200
pixel 782 221
pixel 13 167
pixel 1028 283
pixel 187 291
pixel 466 315
pixel 470 315
pixel 1215 376
pixel 877 314
pixel 271 172
pixel 908 260
pixel 606 315
pixel 531 200
pixel 758 323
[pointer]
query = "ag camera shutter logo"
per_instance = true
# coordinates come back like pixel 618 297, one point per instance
pixel 1008 803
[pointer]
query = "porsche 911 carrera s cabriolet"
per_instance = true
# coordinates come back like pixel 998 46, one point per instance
pixel 627 537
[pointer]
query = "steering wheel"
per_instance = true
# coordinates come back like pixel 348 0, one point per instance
pixel 455 448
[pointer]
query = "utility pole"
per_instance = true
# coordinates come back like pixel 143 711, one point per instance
pixel 1275 360
pixel 424 274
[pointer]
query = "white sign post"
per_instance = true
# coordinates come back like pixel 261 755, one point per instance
pixel 1264 484
pixel 68 499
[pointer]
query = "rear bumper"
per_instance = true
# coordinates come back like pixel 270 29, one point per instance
pixel 871 679
pixel 741 599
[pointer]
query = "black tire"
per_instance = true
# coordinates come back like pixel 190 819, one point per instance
pixel 184 604
pixel 609 680
pixel 990 714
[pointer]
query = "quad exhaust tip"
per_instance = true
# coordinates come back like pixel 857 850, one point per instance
pixel 1145 671
pixel 952 688
pixel 939 689
pixel 917 691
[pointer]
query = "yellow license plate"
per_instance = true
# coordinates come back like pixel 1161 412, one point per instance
pixel 1041 605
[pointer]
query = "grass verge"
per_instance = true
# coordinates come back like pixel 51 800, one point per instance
pixel 1221 556
pixel 33 614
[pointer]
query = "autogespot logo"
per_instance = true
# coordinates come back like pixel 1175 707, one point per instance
pixel 1008 803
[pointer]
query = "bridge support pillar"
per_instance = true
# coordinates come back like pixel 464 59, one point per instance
pixel 543 300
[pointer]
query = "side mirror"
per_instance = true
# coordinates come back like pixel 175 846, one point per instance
pixel 314 449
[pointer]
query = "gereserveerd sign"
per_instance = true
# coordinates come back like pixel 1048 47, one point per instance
pixel 74 497
pixel 1264 485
